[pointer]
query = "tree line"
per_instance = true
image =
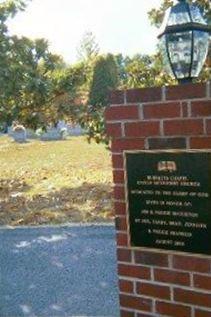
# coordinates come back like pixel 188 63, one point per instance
pixel 38 88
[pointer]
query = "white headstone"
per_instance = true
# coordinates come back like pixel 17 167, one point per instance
pixel 19 133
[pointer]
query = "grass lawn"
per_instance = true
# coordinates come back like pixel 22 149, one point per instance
pixel 54 182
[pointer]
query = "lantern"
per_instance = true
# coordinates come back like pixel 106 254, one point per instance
pixel 184 41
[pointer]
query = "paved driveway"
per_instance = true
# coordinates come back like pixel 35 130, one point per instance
pixel 58 271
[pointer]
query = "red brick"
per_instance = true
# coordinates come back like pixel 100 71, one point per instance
pixel 118 177
pixel 202 313
pixel 151 258
pixel 114 129
pixel 191 264
pixel 166 143
pixel 117 161
pixel 119 192
pixel 122 239
pixel 200 143
pixel 162 110
pixel 173 310
pixel 125 286
pixel 172 277
pixel 192 297
pixel 122 113
pixel 125 313
pixel 121 223
pixel 120 208
pixel 183 127
pixel 202 281
pixel 152 290
pixel 143 128
pixel 186 91
pixel 124 255
pixel 116 97
pixel 208 126
pixel 144 94
pixel 119 145
pixel 133 271
pixel 201 108
pixel 184 109
pixel 137 303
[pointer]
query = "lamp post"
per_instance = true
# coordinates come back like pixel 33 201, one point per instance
pixel 184 41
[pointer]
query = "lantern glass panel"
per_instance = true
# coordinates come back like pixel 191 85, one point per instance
pixel 163 50
pixel 196 14
pixel 201 46
pixel 177 18
pixel 180 48
pixel 179 14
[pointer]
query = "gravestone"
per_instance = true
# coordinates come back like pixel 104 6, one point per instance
pixel 19 133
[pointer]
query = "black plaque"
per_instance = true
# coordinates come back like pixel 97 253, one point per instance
pixel 169 204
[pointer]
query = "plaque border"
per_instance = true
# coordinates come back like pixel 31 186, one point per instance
pixel 136 248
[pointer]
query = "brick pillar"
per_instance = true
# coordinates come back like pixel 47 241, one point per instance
pixel 152 283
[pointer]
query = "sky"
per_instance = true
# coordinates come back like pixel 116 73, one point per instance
pixel 120 26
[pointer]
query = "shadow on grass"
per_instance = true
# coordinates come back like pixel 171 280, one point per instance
pixel 88 202
pixel 9 187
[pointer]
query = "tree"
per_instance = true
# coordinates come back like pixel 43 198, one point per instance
pixel 88 51
pixel 66 85
pixel 26 87
pixel 50 88
pixel 121 63
pixel 36 86
pixel 105 78
pixel 142 71
pixel 8 9
pixel 88 48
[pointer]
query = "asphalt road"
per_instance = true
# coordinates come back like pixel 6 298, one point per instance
pixel 58 271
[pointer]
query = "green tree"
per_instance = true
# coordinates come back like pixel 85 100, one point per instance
pixel 141 71
pixel 105 78
pixel 8 9
pixel 27 87
pixel 36 86
pixel 50 90
pixel 88 51
pixel 121 62
pixel 65 92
